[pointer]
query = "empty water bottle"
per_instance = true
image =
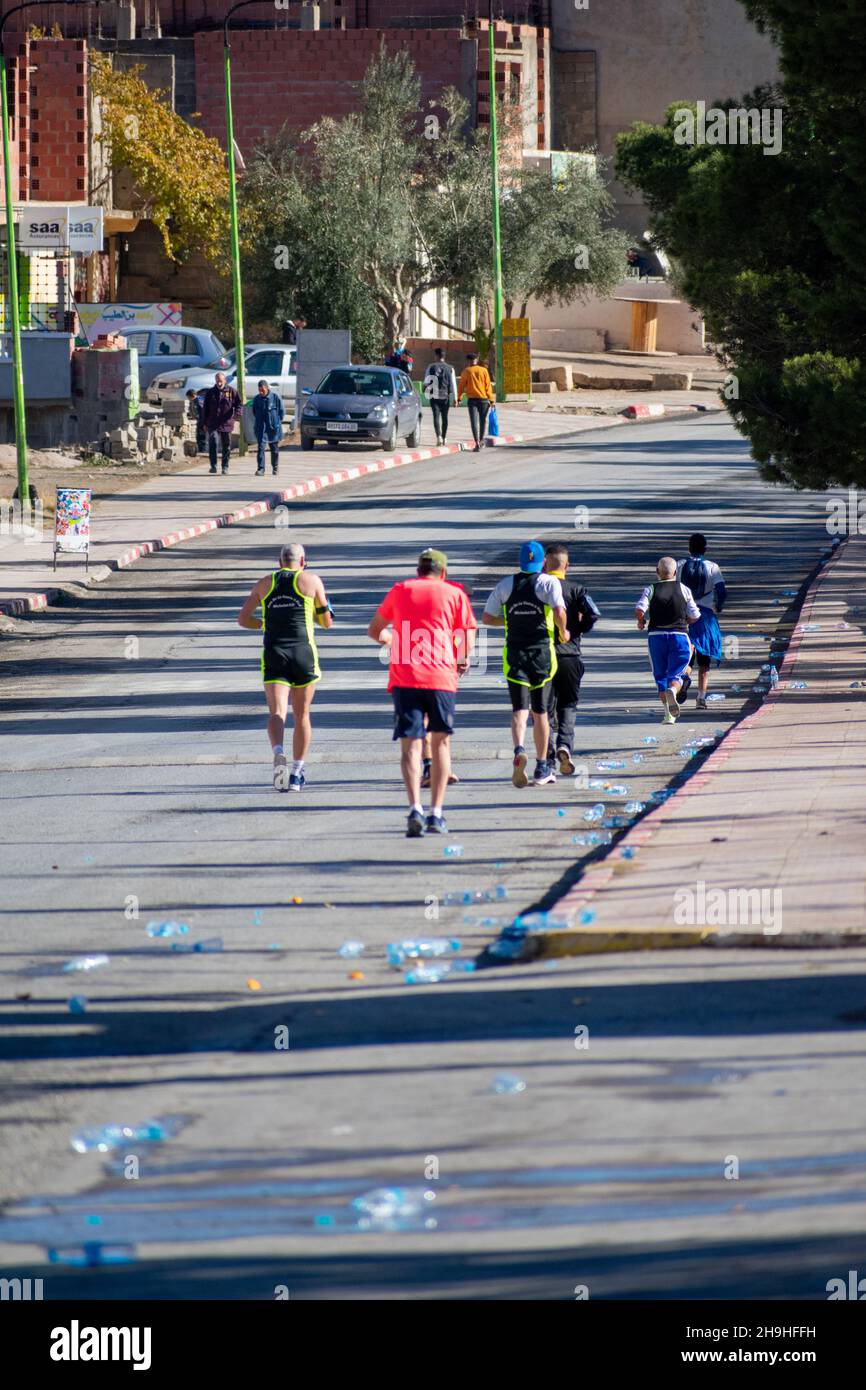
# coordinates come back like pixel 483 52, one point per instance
pixel 609 765
pixel 425 948
pixel 213 943
pixel 91 1254
pixel 774 676
pixel 637 757
pixel 453 851
pixel 505 1084
pixel 798 685
pixel 78 1004
pixel 649 739
pixel 166 928
pixel 105 1138
pixel 717 696
pixel 618 789
pixel 350 950
pixel 431 972
pixel 81 963
pixel 634 808
pixel 385 1205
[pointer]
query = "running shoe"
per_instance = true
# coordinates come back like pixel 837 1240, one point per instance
pixel 296 781
pixel 436 825
pixel 518 775
pixel 543 773
pixel 701 702
pixel 425 773
pixel 668 718
pixel 260 472
pixel 414 825
pixel 281 773
pixel 683 691
pixel 671 702
pixel 566 766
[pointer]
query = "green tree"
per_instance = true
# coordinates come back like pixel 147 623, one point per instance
pixel 772 248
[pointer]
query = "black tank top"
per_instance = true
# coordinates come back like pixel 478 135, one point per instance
pixel 528 654
pixel 668 611
pixel 287 616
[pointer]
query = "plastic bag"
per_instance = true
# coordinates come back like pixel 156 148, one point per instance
pixel 492 422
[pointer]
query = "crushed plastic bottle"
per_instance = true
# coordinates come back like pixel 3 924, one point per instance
pixel 595 812
pixel 78 1004
pixel 505 1084
pixel 717 696
pixel 560 811
pixel 351 950
pixel 637 757
pixel 389 1206
pixel 107 1138
pixel 91 1254
pixel 649 740
pixel 774 677
pixel 213 943
pixel 453 851
pixel 597 784
pixel 662 795
pixel 615 822
pixel 81 963
pixel 424 948
pixel 167 928
pixel 634 808
pixel 431 973
pixel 628 852
pixel 586 917
pixel 609 765
pixel 798 685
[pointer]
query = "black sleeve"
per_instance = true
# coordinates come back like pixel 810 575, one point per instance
pixel 589 613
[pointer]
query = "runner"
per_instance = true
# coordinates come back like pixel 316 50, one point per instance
pixel 709 591
pixel 531 608
pixel 430 629
pixel 289 600
pixel 582 615
pixel 665 610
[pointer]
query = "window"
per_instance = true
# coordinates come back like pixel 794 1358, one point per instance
pixel 137 340
pixel 342 382
pixel 174 345
pixel 264 364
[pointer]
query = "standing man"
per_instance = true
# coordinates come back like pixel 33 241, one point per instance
pixel 709 591
pixel 220 409
pixel 440 388
pixel 476 386
pixel 665 610
pixel 268 421
pixel 290 601
pixel 429 626
pixel 531 608
pixel 581 617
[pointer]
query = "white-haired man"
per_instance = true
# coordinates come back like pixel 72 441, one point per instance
pixel 665 610
pixel 289 601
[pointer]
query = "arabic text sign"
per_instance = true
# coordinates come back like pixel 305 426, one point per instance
pixel 72 519
pixel 126 318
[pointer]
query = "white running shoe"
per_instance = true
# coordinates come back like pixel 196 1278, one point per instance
pixel 671 702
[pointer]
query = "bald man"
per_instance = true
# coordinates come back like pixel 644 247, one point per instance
pixel 664 611
pixel 289 601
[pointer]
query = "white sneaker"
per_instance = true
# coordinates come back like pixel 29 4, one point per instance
pixel 673 707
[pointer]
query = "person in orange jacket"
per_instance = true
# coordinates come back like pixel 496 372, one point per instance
pixel 476 385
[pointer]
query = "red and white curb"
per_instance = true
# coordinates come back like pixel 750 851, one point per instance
pixel 599 874
pixel 30 603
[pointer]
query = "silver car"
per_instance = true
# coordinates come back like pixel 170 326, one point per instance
pixel 162 350
pixel 269 361
pixel 355 403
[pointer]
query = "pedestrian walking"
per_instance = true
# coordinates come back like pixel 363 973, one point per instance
pixel 220 409
pixel 429 627
pixel 704 578
pixel 531 607
pixel 476 386
pixel 289 601
pixel 440 388
pixel 582 614
pixel 665 610
pixel 268 424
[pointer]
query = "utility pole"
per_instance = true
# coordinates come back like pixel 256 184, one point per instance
pixel 497 241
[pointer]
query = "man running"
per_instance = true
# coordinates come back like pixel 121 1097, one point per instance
pixel 531 608
pixel 709 591
pixel 430 629
pixel 290 601
pixel 665 610
pixel 563 691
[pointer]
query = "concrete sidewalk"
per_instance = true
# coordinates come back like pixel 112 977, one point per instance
pixel 764 844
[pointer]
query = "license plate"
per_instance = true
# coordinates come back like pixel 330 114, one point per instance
pixel 342 426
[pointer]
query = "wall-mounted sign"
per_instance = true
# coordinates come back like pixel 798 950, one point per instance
pixel 126 318
pixel 72 227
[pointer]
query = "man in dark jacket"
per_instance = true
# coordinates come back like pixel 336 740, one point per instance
pixel 221 408
pixel 268 422
pixel 565 687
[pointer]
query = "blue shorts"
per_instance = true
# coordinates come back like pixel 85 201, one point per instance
pixel 670 653
pixel 410 707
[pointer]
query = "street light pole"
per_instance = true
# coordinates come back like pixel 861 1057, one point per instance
pixel 497 240
pixel 23 489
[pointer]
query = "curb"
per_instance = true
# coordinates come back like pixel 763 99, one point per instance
pixel 580 940
pixel 31 603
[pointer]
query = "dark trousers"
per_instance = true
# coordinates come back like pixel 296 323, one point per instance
pixel 562 702
pixel 440 417
pixel 478 408
pixel 225 442
pixel 274 446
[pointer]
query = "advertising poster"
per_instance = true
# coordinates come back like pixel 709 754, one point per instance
pixel 126 318
pixel 72 520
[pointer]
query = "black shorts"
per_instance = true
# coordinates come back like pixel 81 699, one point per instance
pixel 410 707
pixel 529 697
pixel 296 664
pixel 702 662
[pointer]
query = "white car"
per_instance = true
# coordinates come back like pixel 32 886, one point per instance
pixel 270 362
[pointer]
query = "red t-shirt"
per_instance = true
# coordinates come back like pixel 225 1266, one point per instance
pixel 425 614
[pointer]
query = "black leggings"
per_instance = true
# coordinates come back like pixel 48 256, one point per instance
pixel 478 408
pixel 440 417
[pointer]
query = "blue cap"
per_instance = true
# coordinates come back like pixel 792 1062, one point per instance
pixel 531 557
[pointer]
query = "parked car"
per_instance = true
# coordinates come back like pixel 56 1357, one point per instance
pixel 173 349
pixel 262 361
pixel 362 403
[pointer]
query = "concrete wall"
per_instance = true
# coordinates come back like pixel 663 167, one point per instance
pixel 566 328
pixel 650 55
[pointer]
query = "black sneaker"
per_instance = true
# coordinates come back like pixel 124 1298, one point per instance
pixel 225 471
pixel 212 470
pixel 414 825
pixel 683 690
pixel 436 825
pixel 518 773
pixel 543 773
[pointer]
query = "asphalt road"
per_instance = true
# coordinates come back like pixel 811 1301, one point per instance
pixel 138 789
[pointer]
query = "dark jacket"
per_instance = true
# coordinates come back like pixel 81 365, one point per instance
pixel 221 408
pixel 268 416
pixel 582 617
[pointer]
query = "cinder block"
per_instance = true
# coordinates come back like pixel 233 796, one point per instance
pixel 544 388
pixel 672 381
pixel 561 375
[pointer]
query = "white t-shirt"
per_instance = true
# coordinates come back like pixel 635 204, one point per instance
pixel 714 577
pixel 547 588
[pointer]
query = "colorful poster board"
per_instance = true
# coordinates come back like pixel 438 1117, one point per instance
pixel 72 521
pixel 516 357
pixel 126 318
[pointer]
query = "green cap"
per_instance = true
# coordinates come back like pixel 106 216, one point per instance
pixel 437 556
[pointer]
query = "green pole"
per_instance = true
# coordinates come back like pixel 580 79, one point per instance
pixel 235 245
pixel 497 241
pixel 14 318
